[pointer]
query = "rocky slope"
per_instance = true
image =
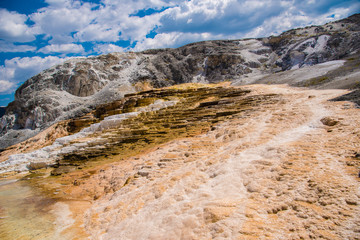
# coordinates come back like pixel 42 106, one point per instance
pixel 194 161
pixel 141 159
pixel 74 88
pixel 277 171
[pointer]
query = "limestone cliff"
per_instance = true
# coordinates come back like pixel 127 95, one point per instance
pixel 75 87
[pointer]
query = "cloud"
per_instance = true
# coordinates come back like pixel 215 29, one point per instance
pixel 68 21
pixel 62 48
pixel 173 39
pixel 10 47
pixel 293 18
pixel 219 17
pixel 85 27
pixel 13 27
pixel 137 28
pixel 5 86
pixel 314 8
pixel 115 20
pixel 57 3
pixel 96 32
pixel 108 21
pixel 250 18
pixel 108 48
pixel 17 70
pixel 62 18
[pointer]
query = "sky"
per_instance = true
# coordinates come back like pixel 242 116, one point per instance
pixel 37 34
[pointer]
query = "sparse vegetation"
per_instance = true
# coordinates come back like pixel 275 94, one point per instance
pixel 315 81
pixel 351 64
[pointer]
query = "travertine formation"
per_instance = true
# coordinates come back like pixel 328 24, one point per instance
pixel 141 159
pixel 255 162
pixel 281 175
pixel 78 85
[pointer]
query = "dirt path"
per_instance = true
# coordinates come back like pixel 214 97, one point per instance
pixel 277 173
pixel 308 193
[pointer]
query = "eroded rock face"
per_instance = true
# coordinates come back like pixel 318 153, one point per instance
pixel 317 44
pixel 66 91
pixel 75 87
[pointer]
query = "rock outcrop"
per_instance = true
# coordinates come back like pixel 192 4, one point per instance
pixel 77 86
pixel 224 162
pixel 190 161
pixel 317 44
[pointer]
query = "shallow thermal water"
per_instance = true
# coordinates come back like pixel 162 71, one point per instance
pixel 24 213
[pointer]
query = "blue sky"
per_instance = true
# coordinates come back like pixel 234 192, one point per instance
pixel 37 34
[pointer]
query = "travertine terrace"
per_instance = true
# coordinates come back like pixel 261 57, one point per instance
pixel 241 139
pixel 281 175
pixel 283 167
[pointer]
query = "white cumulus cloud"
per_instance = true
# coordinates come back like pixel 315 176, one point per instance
pixel 59 21
pixel 68 26
pixel 62 48
pixel 115 21
pixel 251 18
pixel 66 21
pixel 173 39
pixel 10 47
pixel 97 32
pixel 13 27
pixel 293 18
pixel 108 48
pixel 6 86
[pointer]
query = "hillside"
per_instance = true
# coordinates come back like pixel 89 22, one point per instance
pixel 195 161
pixel 77 86
pixel 240 139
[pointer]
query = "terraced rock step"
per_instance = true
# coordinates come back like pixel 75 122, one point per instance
pixel 197 111
pixel 271 164
pixel 77 86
